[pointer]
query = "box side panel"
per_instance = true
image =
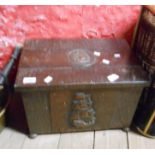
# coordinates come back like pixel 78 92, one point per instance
pixel 37 111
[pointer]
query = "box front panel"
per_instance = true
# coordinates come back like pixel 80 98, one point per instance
pixel 97 109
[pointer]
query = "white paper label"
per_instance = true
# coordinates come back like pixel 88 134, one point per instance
pixel 117 55
pixel 96 53
pixel 48 79
pixel 29 80
pixel 106 61
pixel 113 77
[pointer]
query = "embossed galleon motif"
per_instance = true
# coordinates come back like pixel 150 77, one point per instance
pixel 83 113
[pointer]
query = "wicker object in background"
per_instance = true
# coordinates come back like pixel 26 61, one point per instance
pixel 144 47
pixel 144 44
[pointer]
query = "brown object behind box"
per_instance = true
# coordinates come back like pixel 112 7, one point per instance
pixel 7 79
pixel 65 88
pixel 144 46
pixel 2 119
pixel 144 43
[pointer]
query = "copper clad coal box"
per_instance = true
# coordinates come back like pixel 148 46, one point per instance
pixel 79 85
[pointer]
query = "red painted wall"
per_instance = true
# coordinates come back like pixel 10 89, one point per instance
pixel 18 23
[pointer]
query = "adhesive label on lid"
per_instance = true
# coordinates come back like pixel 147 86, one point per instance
pixel 29 80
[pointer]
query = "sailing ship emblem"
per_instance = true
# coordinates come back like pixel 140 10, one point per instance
pixel 83 113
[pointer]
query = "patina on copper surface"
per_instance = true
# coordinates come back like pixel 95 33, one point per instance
pixel 73 68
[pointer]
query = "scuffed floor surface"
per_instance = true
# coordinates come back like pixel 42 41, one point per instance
pixel 109 139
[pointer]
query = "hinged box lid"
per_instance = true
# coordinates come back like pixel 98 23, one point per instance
pixel 91 62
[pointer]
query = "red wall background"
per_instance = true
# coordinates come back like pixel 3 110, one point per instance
pixel 18 23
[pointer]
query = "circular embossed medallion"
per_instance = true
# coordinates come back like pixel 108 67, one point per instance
pixel 81 58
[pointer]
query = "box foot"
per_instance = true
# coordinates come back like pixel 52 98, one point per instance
pixel 33 135
pixel 127 129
